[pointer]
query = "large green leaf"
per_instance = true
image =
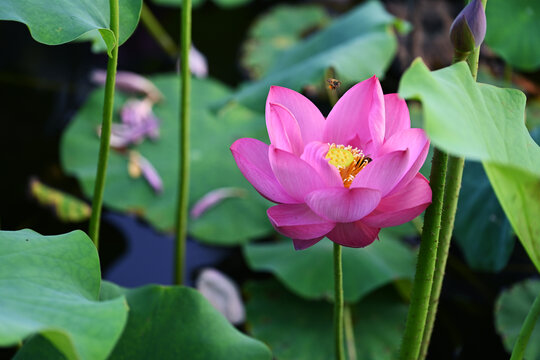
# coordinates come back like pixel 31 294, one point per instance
pixel 483 122
pixel 232 221
pixel 296 329
pixel 50 285
pixel 512 32
pixel 278 30
pixel 482 230
pixel 179 323
pixel 357 45
pixel 309 273
pixel 168 322
pixel 56 22
pixel 511 309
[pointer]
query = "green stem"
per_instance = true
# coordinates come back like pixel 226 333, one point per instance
pixel 349 332
pixel 158 32
pixel 108 104
pixel 526 330
pixel 338 303
pixel 451 194
pixel 416 318
pixel 183 180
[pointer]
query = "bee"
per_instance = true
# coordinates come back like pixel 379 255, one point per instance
pixel 333 84
pixel 363 161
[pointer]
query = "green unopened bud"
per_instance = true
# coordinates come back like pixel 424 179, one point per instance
pixel 469 28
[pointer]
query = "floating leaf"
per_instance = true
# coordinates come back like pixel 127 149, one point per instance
pixel 309 273
pixel 512 31
pixel 296 329
pixel 356 45
pixel 61 21
pixel 50 285
pixel 511 309
pixel 483 122
pixel 184 326
pixel 278 30
pixel 68 208
pixel 482 230
pixel 232 221
pixel 170 322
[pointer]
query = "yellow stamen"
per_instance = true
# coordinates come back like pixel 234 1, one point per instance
pixel 348 160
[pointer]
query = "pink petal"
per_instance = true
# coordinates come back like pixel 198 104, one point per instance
pixel 297 177
pixel 314 154
pixel 150 174
pixel 403 205
pixel 343 205
pixel 416 141
pixel 129 82
pixel 353 234
pixel 384 172
pixel 396 115
pixel 298 221
pixel 213 198
pixel 283 129
pixel 360 111
pixel 310 119
pixel 251 156
pixel 304 244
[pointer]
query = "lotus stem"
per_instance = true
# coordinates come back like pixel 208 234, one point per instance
pixel 526 330
pixel 338 304
pixel 183 179
pixel 451 195
pixel 425 266
pixel 157 31
pixel 349 333
pixel 108 104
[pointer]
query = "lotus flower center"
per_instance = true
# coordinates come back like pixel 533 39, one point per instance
pixel 348 160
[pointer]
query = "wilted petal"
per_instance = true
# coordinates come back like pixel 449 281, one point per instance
pixel 403 205
pixel 213 198
pixel 309 118
pixel 252 159
pixel 297 177
pixel 384 172
pixel 134 111
pixel 150 174
pixel 315 155
pixel 129 82
pixel 197 63
pixel 304 244
pixel 342 204
pixel 354 234
pixel 283 129
pixel 223 294
pixel 396 115
pixel 297 221
pixel 359 112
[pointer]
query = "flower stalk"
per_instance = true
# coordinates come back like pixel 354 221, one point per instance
pixel 99 186
pixel 526 330
pixel 425 266
pixel 183 179
pixel 338 304
pixel 454 176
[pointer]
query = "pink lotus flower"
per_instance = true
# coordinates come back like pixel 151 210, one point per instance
pixel 345 177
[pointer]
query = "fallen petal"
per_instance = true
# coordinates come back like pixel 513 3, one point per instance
pixel 223 294
pixel 213 198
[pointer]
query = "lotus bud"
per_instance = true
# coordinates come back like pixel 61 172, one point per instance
pixel 469 28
